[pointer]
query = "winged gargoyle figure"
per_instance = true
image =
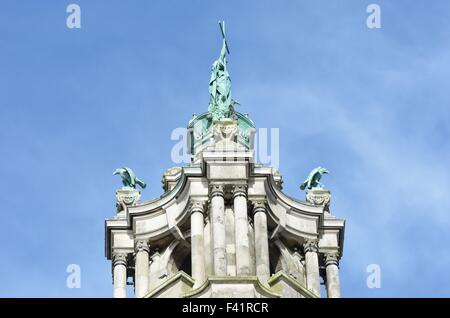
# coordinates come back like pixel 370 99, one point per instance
pixel 313 180
pixel 129 179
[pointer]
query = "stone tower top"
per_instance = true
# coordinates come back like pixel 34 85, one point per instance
pixel 223 226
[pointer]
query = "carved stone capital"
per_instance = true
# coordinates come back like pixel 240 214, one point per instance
pixel 259 206
pixel 119 259
pixel 331 259
pixel 216 190
pixel 311 246
pixel 197 206
pixel 239 190
pixel 141 245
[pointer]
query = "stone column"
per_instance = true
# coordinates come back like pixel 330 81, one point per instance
pixel 142 250
pixel 332 272
pixel 197 243
pixel 241 230
pixel 311 249
pixel 261 241
pixel 120 275
pixel 218 230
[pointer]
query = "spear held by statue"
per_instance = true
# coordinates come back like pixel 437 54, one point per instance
pixel 222 30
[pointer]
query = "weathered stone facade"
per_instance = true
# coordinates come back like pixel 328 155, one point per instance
pixel 224 228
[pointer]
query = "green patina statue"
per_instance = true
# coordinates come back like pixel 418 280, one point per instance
pixel 221 105
pixel 129 179
pixel 313 180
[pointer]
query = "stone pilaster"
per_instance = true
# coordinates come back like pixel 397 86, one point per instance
pixel 141 269
pixel 120 275
pixel 261 241
pixel 218 229
pixel 241 230
pixel 332 275
pixel 311 250
pixel 198 243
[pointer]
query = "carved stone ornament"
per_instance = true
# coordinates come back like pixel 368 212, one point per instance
pixel 259 206
pixel 239 190
pixel 216 190
pixel 141 245
pixel 225 131
pixel 119 259
pixel 319 197
pixel 129 178
pixel 129 196
pixel 331 259
pixel 197 206
pixel 311 246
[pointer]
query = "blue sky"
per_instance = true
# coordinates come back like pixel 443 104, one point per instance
pixel 370 105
